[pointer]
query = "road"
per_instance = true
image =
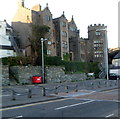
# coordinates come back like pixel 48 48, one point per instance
pixel 104 104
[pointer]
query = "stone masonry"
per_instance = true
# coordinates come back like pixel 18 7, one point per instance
pixel 4 75
pixel 53 74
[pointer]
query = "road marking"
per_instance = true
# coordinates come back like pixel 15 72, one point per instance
pixel 8 95
pixel 108 90
pixel 4 95
pixel 16 117
pixel 117 101
pixel 109 115
pixel 28 105
pixel 74 105
pixel 18 94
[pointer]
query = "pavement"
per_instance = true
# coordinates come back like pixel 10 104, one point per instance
pixel 7 100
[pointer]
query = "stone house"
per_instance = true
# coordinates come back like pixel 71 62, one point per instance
pixel 97 42
pixel 83 49
pixel 61 35
pixel 21 24
pixel 74 41
pixel 95 48
pixel 22 21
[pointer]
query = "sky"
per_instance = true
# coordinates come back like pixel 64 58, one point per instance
pixel 85 12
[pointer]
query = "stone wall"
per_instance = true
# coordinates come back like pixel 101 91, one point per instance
pixel 53 74
pixel 57 75
pixel 4 75
pixel 24 73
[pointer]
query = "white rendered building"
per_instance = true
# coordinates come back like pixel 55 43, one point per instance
pixel 6 48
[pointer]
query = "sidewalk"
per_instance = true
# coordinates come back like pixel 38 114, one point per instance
pixel 23 99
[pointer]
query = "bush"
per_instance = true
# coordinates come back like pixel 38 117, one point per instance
pixel 13 61
pixel 72 66
pixel 81 67
pixel 66 57
pixel 53 60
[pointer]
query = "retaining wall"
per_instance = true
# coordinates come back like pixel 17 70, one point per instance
pixel 53 74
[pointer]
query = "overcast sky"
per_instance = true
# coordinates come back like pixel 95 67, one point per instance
pixel 85 12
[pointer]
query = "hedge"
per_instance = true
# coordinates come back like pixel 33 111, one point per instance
pixel 70 66
pixel 14 61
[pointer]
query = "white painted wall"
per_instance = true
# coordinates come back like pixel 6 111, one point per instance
pixel 116 62
pixel 115 71
pixel 4 40
pixel 6 53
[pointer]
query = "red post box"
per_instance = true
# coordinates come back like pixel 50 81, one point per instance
pixel 36 79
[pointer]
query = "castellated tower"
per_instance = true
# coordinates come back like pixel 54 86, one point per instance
pixel 97 48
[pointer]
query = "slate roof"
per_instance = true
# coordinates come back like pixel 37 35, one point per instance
pixel 117 56
pixel 115 67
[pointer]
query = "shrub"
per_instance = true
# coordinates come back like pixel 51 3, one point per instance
pixel 53 60
pixel 13 61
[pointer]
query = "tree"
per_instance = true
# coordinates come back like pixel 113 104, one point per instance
pixel 38 32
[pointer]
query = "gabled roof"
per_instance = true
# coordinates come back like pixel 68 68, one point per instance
pixel 117 56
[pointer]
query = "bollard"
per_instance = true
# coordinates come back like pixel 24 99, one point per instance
pixel 13 95
pixel 105 83
pixel 66 89
pixel 110 83
pixel 76 90
pixel 29 93
pixel 56 91
pixel 92 85
pixel 99 84
pixel 43 91
pixel 115 82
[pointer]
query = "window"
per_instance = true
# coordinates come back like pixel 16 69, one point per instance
pixel 47 18
pixel 49 42
pixel 28 17
pixel 100 41
pixel 72 29
pixel 48 52
pixel 95 55
pixel 63 24
pixel 8 32
pixel 64 53
pixel 64 33
pixel 98 53
pixel 97 33
pixel 8 52
pixel 64 44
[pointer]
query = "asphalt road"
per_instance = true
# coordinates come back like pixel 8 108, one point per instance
pixel 67 107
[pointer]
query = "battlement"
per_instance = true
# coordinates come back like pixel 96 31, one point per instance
pixel 96 26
